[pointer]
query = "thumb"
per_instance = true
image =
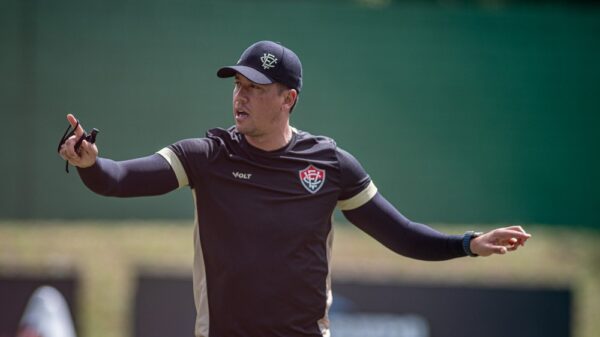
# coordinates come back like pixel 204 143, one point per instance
pixel 73 121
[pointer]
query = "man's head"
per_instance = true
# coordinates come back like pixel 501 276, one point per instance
pixel 267 62
pixel 268 77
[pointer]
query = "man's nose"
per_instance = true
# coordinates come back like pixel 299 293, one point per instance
pixel 240 96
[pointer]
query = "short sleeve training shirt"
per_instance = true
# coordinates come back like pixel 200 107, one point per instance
pixel 263 230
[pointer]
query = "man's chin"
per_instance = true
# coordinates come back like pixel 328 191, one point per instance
pixel 241 129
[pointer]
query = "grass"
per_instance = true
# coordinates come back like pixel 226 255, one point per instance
pixel 106 256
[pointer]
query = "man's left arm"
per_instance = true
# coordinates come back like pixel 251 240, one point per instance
pixel 368 210
pixel 384 223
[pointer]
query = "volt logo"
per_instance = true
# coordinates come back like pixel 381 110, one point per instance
pixel 240 175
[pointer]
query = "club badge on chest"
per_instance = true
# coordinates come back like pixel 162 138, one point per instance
pixel 312 178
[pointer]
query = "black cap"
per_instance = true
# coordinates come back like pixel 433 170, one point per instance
pixel 267 62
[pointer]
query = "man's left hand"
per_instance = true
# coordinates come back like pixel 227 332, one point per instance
pixel 499 241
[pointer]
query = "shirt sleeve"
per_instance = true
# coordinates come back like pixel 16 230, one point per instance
pixel 384 223
pixel 188 159
pixel 144 176
pixel 357 187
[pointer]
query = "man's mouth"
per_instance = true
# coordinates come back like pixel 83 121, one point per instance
pixel 241 115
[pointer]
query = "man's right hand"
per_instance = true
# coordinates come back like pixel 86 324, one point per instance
pixel 87 153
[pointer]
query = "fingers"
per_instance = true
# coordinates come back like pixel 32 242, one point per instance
pixel 513 244
pixel 86 153
pixel 516 228
pixel 88 149
pixel 499 250
pixel 85 157
pixel 508 233
pixel 67 150
pixel 70 144
pixel 522 238
pixel 500 241
pixel 73 121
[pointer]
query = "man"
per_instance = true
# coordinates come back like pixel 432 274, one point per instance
pixel 264 194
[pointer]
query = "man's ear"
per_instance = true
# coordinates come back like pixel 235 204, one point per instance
pixel 290 98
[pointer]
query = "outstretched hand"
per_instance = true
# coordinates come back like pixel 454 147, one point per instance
pixel 499 241
pixel 87 153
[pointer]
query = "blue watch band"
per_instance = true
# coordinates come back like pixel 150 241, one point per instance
pixel 466 242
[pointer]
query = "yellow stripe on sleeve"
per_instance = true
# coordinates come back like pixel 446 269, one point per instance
pixel 358 200
pixel 176 165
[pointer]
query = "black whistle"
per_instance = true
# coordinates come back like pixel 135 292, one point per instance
pixel 91 138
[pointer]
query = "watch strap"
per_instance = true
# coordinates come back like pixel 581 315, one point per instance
pixel 466 242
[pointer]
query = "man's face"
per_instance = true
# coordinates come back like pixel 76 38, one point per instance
pixel 259 109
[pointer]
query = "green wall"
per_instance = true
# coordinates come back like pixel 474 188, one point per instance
pixel 460 114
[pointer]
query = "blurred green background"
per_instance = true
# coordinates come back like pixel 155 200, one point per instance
pixel 461 112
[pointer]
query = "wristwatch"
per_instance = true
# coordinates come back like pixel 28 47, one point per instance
pixel 466 242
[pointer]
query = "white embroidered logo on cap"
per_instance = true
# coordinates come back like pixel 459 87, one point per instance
pixel 268 61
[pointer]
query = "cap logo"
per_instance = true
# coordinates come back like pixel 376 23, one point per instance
pixel 268 61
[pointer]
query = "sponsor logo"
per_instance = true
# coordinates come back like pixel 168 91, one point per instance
pixel 312 178
pixel 240 175
pixel 268 61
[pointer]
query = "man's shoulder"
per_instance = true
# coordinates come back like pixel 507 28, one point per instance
pixel 203 146
pixel 213 138
pixel 225 135
pixel 308 139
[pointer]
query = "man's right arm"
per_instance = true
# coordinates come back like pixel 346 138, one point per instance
pixel 151 175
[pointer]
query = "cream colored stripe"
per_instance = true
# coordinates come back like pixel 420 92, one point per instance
pixel 358 200
pixel 324 321
pixel 199 277
pixel 175 163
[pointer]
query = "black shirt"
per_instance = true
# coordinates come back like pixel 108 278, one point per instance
pixel 264 229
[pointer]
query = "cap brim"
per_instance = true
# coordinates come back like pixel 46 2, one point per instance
pixel 248 72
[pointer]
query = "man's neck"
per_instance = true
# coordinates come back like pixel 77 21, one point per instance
pixel 271 142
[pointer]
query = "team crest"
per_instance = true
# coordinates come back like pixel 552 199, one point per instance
pixel 268 61
pixel 312 178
